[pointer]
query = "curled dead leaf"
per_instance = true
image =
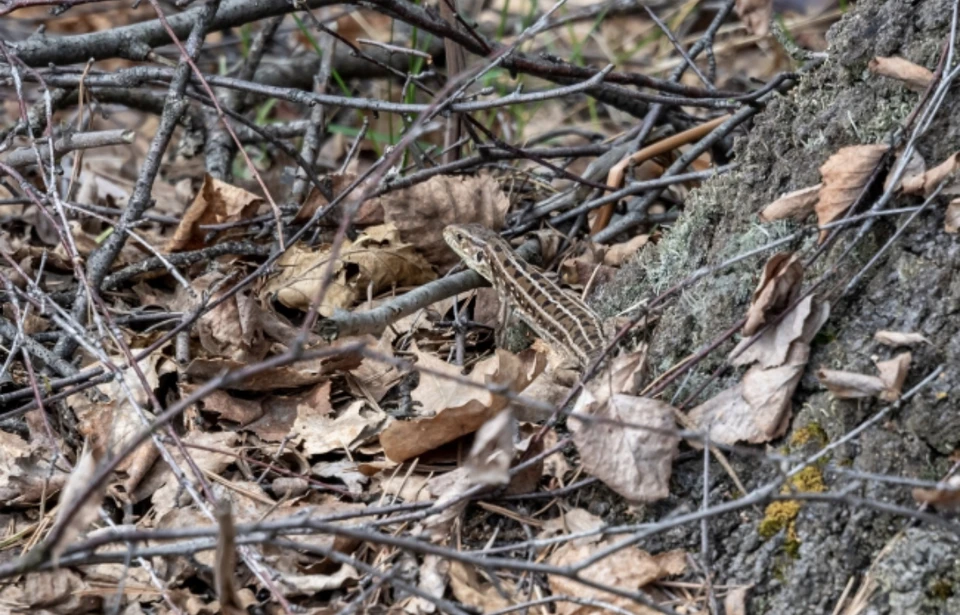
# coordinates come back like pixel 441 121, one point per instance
pixel 232 329
pixel 627 569
pixel 844 176
pixel 452 409
pixel 778 287
pixel 945 497
pixel 470 589
pixel 951 220
pixel 899 338
pixel 217 202
pixel 893 373
pixel 914 76
pixel 26 473
pixel 322 430
pixel 773 346
pixel 925 183
pixel 796 205
pixel 755 15
pixel 376 262
pixel 302 373
pixel 94 449
pixel 852 385
pixel 915 168
pixel 758 408
pixel 619 253
pixel 493 449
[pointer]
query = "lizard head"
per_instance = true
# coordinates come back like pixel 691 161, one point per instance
pixel 473 243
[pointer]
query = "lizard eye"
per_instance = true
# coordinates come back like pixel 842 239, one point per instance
pixel 479 257
pixel 459 237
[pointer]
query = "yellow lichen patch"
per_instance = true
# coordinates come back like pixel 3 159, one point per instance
pixel 808 480
pixel 811 432
pixel 778 515
pixel 783 513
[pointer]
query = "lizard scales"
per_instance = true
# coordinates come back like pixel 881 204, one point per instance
pixel 561 318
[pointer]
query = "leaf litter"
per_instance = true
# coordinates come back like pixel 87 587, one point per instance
pixel 330 436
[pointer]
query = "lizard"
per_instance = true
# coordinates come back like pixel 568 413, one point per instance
pixel 560 318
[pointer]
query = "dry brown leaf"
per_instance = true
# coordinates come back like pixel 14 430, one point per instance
pixel 26 475
pixel 622 375
pixel 469 589
pixel 493 449
pixel 321 430
pixel 376 262
pixel 446 489
pixel 227 407
pixel 163 484
pixel 628 569
pixel 899 338
pixel 633 454
pixel 546 389
pixel 422 211
pixel 779 285
pixel 916 77
pixel 94 450
pixel 893 373
pixel 230 330
pixel 757 409
pixel 586 269
pixel 294 584
pixel 280 412
pixel 773 345
pixel 302 373
pixel 850 385
pixel 915 168
pixel 433 582
pixel 844 176
pixel 369 213
pixel 375 378
pixel 755 15
pixel 951 221
pixel 619 253
pixel 886 386
pixel 946 497
pixel 796 205
pixel 217 203
pixel 927 182
pixel 574 522
pixel 735 602
pixel 58 592
pixel 453 409
pixel 112 413
pixel 528 446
